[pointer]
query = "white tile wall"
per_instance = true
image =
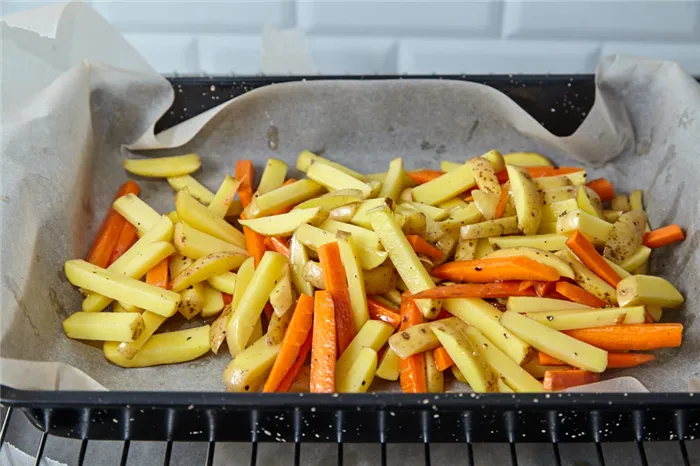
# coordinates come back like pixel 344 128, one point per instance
pixel 406 36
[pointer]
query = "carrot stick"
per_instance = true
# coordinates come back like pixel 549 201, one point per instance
pixel 496 269
pixel 254 243
pixel 158 275
pixel 126 239
pixel 541 172
pixel 336 283
pixel 604 189
pixel 442 359
pixel 227 298
pixel 635 337
pixel 412 369
pixel 110 230
pixel 502 203
pixel 578 295
pixel 475 290
pixel 527 284
pixel 502 176
pixel 563 379
pixel 544 288
pixel 421 246
pixel 278 244
pixel 291 376
pixel 245 173
pixel 615 360
pixel 424 175
pixel 323 345
pixel 585 251
pixel 663 236
pixel 294 338
pixel 380 311
pixel 444 314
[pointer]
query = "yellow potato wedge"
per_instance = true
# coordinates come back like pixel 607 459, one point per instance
pixel 388 368
pixel 276 328
pixel 435 213
pixel 355 278
pixel 243 278
pixel 151 323
pixel 587 279
pixel 530 304
pixel 486 203
pixel 411 221
pixel 285 224
pixel 543 242
pixel 435 380
pixel 413 340
pixel 453 204
pixel 334 179
pixel 552 212
pixel 527 159
pixel 484 175
pixel 307 158
pixel 484 317
pixel 213 301
pixel 332 201
pixel 528 204
pixel 466 357
pixel 619 270
pixel 250 365
pixel 458 374
pixel 647 290
pixel 503 387
pixel 199 217
pixel 538 255
pixel 611 216
pixel 121 288
pixel 217 332
pixel 361 373
pixel 483 248
pixel 253 300
pixel 235 209
pixel 314 238
pixel 298 257
pixel 489 228
pixel 163 348
pixel 550 196
pixel 196 189
pixel 555 343
pixel 589 318
pixel 466 249
pixel 445 186
pixel 273 176
pixel 552 182
pixel 194 244
pixel 593 228
pixel 393 297
pixel 137 212
pixel 361 236
pixel 173 217
pixel 380 280
pixel 282 297
pixel 362 219
pixel 392 185
pixel 493 156
pixel 191 301
pixel 282 197
pixel 313 274
pixel 374 334
pixel 205 268
pixel 505 368
pixel 637 262
pixel 626 236
pixel 403 257
pixel 105 326
pixel 224 282
pixel 177 263
pixel 621 203
pixel 656 312
pixel 123 307
pixel 222 201
pixel 589 201
pixel 344 213
pixel 164 167
pixel 547 228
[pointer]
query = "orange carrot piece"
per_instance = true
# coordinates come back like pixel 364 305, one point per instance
pixel 380 311
pixel 502 176
pixel 615 360
pixel 337 285
pixel 578 295
pixel 541 172
pixel 442 359
pixel 496 269
pixel 475 290
pixel 126 239
pixel 422 247
pixel 604 189
pixel 527 284
pixel 268 310
pixel 502 203
pixel 663 236
pixel 567 378
pixel 323 345
pixel 592 259
pixel 424 175
pixel 227 298
pixel 544 288
pixel 294 338
pixel 254 243
pixel 634 337
pixel 291 376
pixel 158 275
pixel 110 230
pixel 412 369
pixel 278 244
pixel 444 314
pixel 245 173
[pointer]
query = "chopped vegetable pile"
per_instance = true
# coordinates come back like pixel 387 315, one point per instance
pixel 505 270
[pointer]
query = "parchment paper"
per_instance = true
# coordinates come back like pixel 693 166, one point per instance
pixel 62 148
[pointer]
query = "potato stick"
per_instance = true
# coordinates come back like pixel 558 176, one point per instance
pixel 195 188
pixel 191 301
pixel 648 290
pixel 245 371
pixel 373 334
pixel 445 186
pixel 195 244
pixel 578 295
pixel 306 159
pixel 199 217
pixel 314 238
pixel 273 176
pixel 435 380
pixel 551 242
pixel 590 318
pixel 213 301
pixel 295 336
pixel 563 379
pixel 380 311
pixel 355 278
pixel 324 345
pixel 297 365
pixel 412 375
pixel 501 226
pixel 523 304
pixel 336 283
pixel 361 217
pixel 603 188
pixel 164 348
pixel 137 212
pixel 333 179
pixel 413 340
pixel 442 359
pixel 615 360
pixel 639 337
pixel 164 167
pixel 177 263
pixel 207 267
pixel 246 176
pixel 278 244
pixel 298 257
pixel 476 290
pixel 663 236
pixel 527 159
pixel 113 326
pixel 492 269
pixel 285 224
pixel 393 184
pixel 528 201
pixel 151 323
pixel 105 239
pixel 363 236
pixel 222 201
pixel 283 197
